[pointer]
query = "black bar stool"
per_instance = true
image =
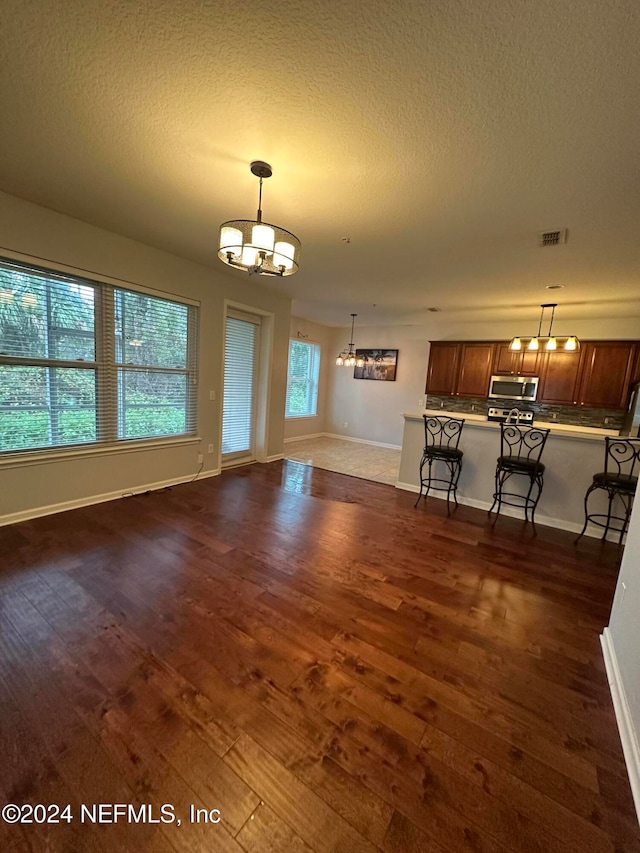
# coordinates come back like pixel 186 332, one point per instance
pixel 619 478
pixel 520 451
pixel 441 439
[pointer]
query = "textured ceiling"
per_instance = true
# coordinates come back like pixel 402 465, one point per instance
pixel 440 137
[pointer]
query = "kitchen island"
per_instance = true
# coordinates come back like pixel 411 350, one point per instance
pixel 572 455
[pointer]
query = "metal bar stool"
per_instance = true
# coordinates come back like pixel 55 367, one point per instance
pixel 520 451
pixel 441 439
pixel 619 478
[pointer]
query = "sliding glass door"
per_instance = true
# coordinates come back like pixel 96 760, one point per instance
pixel 242 347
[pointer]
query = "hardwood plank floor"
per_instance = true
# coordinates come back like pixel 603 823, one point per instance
pixel 330 668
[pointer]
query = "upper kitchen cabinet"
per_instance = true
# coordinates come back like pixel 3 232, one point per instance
pixel 476 360
pixel 607 372
pixel 508 363
pixel 443 367
pixel 559 378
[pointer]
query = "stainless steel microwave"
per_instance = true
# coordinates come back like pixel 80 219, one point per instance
pixel 514 387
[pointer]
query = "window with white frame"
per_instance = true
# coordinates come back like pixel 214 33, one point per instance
pixel 302 379
pixel 83 362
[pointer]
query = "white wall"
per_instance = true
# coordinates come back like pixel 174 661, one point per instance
pixel 373 410
pixel 624 636
pixel 313 333
pixel 45 235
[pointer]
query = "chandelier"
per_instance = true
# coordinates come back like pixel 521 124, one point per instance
pixel 547 342
pixel 348 358
pixel 257 246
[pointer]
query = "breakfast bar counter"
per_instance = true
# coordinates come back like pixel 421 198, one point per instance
pixel 572 455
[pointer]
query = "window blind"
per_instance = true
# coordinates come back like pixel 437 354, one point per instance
pixel 302 379
pixel 240 359
pixel 85 362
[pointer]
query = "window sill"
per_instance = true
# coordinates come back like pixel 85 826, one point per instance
pixel 42 457
pixel 299 417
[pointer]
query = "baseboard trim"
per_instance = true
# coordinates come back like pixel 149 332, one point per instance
pixel 305 437
pixel 276 457
pixel 363 441
pixel 65 506
pixel 628 734
pixel 513 512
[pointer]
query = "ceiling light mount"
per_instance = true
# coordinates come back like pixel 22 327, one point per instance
pixel 548 342
pixel 348 358
pixel 256 246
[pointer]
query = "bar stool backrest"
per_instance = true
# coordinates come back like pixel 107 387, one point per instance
pixel 524 442
pixel 622 457
pixel 443 432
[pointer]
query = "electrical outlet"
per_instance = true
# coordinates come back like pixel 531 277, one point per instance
pixel 200 458
pixel 212 395
pixel 210 448
pixel 473 407
pixel 554 416
pixel 421 403
pixel 607 421
pixel 441 404
pixel 345 425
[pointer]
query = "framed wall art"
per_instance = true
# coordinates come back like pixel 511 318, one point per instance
pixel 379 364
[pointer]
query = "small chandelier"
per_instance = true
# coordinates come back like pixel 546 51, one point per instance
pixel 547 342
pixel 349 358
pixel 257 246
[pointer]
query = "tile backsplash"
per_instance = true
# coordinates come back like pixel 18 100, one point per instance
pixel 576 415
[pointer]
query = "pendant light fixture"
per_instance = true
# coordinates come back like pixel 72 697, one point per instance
pixel 548 342
pixel 348 358
pixel 257 246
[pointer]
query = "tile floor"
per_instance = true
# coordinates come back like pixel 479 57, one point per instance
pixel 347 457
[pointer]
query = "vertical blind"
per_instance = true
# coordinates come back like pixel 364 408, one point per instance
pixel 240 361
pixel 85 362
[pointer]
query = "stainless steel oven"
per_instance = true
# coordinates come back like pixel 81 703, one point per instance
pixel 514 387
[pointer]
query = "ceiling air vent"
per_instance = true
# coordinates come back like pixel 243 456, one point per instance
pixel 553 238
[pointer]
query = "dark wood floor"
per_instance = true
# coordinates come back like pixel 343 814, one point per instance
pixel 330 668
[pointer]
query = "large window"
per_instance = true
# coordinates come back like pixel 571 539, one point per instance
pixel 84 362
pixel 302 379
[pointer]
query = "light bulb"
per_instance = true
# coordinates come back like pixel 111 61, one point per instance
pixel 249 256
pixel 516 344
pixel 360 362
pixel 339 361
pixel 283 255
pixel 571 344
pixel 533 344
pixel 231 241
pixel 551 344
pixel 262 237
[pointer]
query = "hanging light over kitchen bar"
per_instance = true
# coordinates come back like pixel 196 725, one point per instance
pixel 549 342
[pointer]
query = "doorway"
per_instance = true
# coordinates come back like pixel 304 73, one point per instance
pixel 241 373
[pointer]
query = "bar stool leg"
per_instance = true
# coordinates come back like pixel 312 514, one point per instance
pixel 497 490
pixel 627 516
pixel 458 470
pixel 586 515
pixel 612 495
pixel 422 464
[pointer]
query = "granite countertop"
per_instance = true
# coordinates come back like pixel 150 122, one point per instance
pixel 476 420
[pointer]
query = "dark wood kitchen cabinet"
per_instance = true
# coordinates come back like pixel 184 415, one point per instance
pixel 607 373
pixel 459 369
pixel 523 363
pixel 474 371
pixel 601 375
pixel 443 367
pixel 559 378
